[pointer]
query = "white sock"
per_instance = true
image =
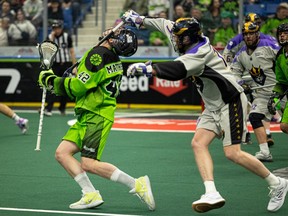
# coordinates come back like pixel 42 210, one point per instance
pixel 264 148
pixel 272 180
pixel 267 131
pixel 15 117
pixel 84 182
pixel 209 187
pixel 123 178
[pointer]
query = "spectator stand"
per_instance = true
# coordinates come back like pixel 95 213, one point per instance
pixel 86 8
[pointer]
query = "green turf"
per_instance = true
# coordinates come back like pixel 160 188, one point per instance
pixel 34 180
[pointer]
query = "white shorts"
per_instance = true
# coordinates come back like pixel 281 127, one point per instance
pixel 228 123
pixel 259 105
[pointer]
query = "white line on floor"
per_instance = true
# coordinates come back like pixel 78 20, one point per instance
pixel 61 212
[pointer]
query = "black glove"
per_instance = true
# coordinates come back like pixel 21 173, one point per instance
pixel 247 89
pixel 274 103
pixel 270 105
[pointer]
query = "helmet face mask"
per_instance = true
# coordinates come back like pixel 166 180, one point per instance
pixel 124 43
pixel 282 34
pixel 186 31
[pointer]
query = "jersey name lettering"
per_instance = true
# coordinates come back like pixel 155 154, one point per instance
pixel 114 68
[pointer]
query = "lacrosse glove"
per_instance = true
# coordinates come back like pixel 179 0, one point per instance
pixel 247 89
pixel 140 69
pixel 133 18
pixel 46 78
pixel 274 103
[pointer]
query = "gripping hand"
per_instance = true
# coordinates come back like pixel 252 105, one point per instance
pixel 140 68
pixel 247 89
pixel 273 104
pixel 46 78
pixel 133 18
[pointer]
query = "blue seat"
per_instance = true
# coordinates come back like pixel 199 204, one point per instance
pixel 255 8
pixel 271 8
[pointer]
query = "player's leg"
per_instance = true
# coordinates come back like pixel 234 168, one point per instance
pixel 270 141
pixel 278 186
pixel 205 133
pixel 70 145
pixel 92 142
pixel 256 117
pixel 22 123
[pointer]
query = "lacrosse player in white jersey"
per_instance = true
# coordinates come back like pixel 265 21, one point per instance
pixel 233 46
pixel 258 58
pixel 225 104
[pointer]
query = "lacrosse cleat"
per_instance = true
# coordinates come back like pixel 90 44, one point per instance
pixel 277 194
pixel 88 200
pixel 208 202
pixel 144 192
pixel 264 157
pixel 23 125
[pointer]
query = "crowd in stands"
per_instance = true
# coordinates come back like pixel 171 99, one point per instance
pixel 22 20
pixel 219 18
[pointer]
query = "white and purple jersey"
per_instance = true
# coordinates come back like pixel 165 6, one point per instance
pixel 259 64
pixel 236 43
pixel 204 65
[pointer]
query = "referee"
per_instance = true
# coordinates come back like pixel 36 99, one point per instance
pixel 64 59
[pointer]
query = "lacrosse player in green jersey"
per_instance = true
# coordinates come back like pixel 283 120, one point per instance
pixel 281 70
pixel 94 90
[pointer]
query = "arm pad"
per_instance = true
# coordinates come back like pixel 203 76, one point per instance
pixel 174 70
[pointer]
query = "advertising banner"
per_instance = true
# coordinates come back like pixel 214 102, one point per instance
pixel 18 78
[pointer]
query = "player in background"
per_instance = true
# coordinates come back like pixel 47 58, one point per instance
pixel 22 123
pixel 281 70
pixel 229 52
pixel 257 57
pixel 94 90
pixel 225 104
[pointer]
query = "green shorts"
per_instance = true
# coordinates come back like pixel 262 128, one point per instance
pixel 285 114
pixel 90 134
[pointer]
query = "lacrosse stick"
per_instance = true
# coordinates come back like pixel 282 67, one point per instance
pixel 47 51
pixel 70 69
pixel 265 86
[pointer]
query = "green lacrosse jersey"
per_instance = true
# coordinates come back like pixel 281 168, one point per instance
pixel 96 84
pixel 281 71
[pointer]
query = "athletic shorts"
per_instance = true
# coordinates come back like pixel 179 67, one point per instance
pixel 90 134
pixel 259 105
pixel 228 123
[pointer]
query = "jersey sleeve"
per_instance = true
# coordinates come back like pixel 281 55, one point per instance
pixel 160 24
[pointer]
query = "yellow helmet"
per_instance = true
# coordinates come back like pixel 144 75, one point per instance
pixel 250 27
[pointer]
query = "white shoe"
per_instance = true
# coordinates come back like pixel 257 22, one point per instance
pixel 144 192
pixel 47 113
pixel 23 125
pixel 277 194
pixel 88 200
pixel 264 157
pixel 208 202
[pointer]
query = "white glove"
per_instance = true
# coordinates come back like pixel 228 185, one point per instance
pixel 140 68
pixel 133 18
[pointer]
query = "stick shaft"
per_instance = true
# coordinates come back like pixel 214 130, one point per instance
pixel 265 86
pixel 112 32
pixel 39 134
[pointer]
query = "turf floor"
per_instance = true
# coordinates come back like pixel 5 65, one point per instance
pixel 33 183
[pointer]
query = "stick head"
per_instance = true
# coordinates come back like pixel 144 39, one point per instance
pixel 47 51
